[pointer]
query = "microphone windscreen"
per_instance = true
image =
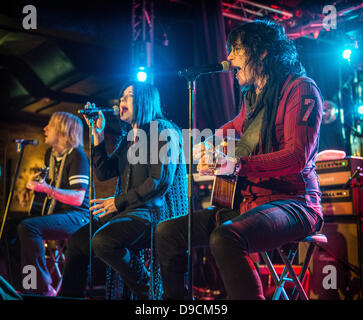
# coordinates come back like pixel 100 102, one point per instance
pixel 116 110
pixel 226 66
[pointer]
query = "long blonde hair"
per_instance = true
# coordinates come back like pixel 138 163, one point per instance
pixel 69 127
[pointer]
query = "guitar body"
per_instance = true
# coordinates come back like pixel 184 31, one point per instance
pixel 226 192
pixel 40 202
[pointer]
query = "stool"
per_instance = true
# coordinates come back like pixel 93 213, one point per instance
pixel 54 254
pixel 288 260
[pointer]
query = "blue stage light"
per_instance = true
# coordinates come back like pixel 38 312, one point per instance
pixel 347 53
pixel 141 75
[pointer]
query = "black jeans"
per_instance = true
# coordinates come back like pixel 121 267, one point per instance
pixel 32 232
pixel 114 243
pixel 262 228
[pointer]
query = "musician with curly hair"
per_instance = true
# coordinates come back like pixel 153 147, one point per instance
pixel 278 127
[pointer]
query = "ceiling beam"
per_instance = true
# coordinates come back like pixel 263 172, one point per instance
pixel 36 88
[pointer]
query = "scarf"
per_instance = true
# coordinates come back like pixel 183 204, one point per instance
pixel 267 100
pixel 56 175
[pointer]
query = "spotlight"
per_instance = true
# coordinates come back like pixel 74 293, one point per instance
pixel 360 110
pixel 347 53
pixel 141 75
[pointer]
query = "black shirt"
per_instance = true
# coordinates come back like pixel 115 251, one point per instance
pixel 75 175
pixel 143 185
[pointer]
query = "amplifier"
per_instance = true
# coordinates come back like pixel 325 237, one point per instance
pixel 337 202
pixel 337 172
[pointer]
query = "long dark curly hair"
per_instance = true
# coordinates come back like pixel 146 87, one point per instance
pixel 263 35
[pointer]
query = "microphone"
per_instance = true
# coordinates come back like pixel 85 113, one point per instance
pixel 196 71
pixel 93 111
pixel 25 142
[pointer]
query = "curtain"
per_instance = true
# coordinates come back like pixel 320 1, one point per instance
pixel 214 99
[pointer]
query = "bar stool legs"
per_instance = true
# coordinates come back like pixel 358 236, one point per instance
pixel 56 258
pixel 292 273
pixel 288 274
pixel 279 281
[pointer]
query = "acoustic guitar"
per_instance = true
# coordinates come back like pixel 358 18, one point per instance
pixel 226 191
pixel 40 202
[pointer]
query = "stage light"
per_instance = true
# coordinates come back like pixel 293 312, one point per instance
pixel 360 110
pixel 347 53
pixel 141 75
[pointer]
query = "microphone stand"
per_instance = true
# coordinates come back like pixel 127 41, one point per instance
pixel 191 78
pixel 20 149
pixel 91 117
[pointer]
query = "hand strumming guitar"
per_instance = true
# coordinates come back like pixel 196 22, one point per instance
pixel 214 162
pixel 37 183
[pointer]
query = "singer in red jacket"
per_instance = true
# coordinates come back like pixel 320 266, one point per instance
pixel 281 199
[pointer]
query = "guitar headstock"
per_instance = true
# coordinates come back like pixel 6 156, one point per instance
pixel 43 174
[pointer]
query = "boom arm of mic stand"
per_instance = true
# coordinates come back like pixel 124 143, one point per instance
pixel 355 174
